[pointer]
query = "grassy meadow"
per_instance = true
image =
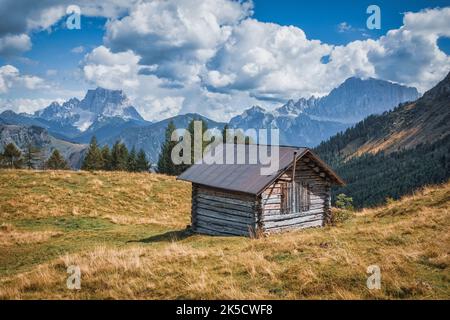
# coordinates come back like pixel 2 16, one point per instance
pixel 127 233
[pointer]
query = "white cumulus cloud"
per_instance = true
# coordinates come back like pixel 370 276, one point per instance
pixel 11 45
pixel 111 70
pixel 11 77
pixel 178 37
pixel 221 60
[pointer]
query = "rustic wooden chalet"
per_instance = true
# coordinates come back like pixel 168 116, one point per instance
pixel 235 199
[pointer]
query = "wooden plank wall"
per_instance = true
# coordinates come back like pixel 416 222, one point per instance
pixel 218 212
pixel 273 220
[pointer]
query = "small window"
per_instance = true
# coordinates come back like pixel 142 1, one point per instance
pixel 295 197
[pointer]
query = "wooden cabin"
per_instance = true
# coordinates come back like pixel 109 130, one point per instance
pixel 235 199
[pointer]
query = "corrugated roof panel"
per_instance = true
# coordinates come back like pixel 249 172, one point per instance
pixel 238 177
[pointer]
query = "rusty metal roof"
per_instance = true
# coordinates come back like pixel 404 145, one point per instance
pixel 246 176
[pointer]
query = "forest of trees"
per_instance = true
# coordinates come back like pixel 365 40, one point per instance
pixel 119 158
pixel 96 158
pixel 32 158
pixel 165 164
pixel 372 178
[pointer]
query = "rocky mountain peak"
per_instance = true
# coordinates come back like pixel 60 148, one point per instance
pixel 357 98
pixel 255 109
pixel 440 91
pixel 98 104
pixel 101 99
pixel 294 109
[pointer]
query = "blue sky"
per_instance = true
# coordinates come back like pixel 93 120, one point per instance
pixel 169 64
pixel 319 19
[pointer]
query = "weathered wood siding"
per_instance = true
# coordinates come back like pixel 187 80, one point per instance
pixel 273 220
pixel 223 212
pixel 220 212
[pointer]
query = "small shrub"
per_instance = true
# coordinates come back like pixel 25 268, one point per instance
pixel 340 216
pixel 344 202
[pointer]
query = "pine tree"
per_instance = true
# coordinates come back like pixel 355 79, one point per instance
pixel 93 159
pixel 132 161
pixel 119 157
pixel 32 156
pixel 106 157
pixel 56 161
pixel 225 133
pixel 142 163
pixel 12 156
pixel 238 136
pixel 190 130
pixel 165 164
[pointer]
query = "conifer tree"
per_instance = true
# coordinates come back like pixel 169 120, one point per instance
pixel 225 133
pixel 93 159
pixel 12 156
pixel 32 156
pixel 190 130
pixel 238 136
pixel 132 161
pixel 56 161
pixel 119 157
pixel 142 163
pixel 165 164
pixel 106 157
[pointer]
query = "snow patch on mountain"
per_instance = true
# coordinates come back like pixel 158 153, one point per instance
pixel 85 119
pixel 97 104
pixel 310 121
pixel 294 109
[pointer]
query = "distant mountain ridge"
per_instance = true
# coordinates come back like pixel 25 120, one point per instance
pixel 39 137
pixel 357 98
pixel 97 105
pixel 307 122
pixel 292 108
pixel 101 112
pixel 109 115
pixel 150 137
pixel 391 154
pixel 423 121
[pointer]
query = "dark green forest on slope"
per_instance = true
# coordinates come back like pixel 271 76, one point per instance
pixel 371 179
pixel 417 152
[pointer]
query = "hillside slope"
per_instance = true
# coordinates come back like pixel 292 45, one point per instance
pixel 308 122
pixel 128 237
pixel 391 154
pixel 39 137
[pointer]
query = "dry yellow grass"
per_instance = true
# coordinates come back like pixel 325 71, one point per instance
pixel 9 236
pixel 128 250
pixel 124 198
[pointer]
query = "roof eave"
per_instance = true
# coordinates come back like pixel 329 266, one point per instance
pixel 338 180
pixel 281 171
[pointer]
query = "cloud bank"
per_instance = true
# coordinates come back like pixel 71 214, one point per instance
pixel 214 58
